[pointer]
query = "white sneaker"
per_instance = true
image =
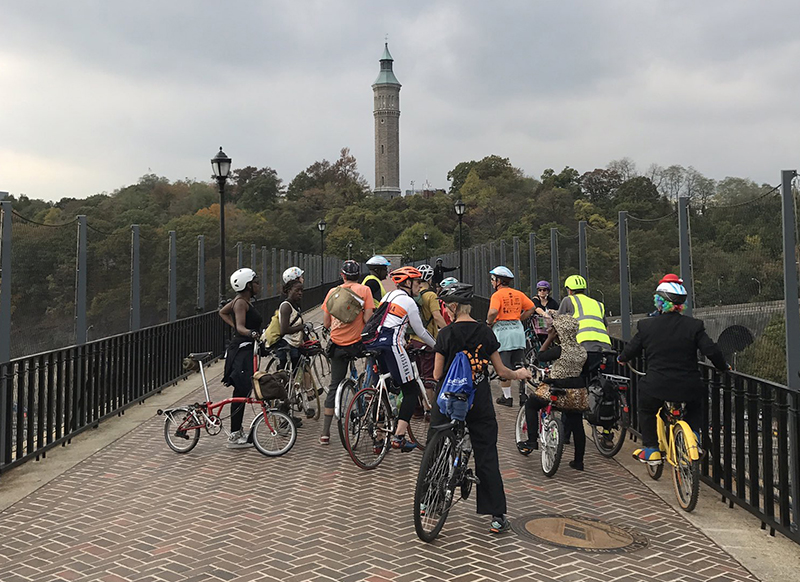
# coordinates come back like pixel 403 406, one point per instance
pixel 237 440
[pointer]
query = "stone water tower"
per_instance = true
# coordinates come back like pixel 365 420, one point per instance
pixel 386 90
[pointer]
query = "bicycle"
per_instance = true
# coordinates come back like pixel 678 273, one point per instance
pixel 609 436
pixel 444 469
pixel 678 445
pixel 371 420
pixel 306 383
pixel 272 432
pixel 349 386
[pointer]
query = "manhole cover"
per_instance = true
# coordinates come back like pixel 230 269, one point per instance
pixel 580 533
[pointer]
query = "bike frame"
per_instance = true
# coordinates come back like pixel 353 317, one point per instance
pixel 368 370
pixel 666 431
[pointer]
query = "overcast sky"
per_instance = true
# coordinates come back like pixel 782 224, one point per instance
pixel 94 94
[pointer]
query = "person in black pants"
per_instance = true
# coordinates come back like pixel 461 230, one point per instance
pixel 670 343
pixel 566 371
pixel 467 334
pixel 246 323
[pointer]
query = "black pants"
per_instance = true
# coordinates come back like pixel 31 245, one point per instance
pixel 648 408
pixel 573 425
pixel 410 401
pixel 340 357
pixel 482 424
pixel 242 379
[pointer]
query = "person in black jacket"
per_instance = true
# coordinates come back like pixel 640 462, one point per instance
pixel 670 342
pixel 438 273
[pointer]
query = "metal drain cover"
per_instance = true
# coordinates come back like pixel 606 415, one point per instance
pixel 579 533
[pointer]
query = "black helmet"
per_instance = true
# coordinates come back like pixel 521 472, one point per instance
pixel 351 268
pixel 457 293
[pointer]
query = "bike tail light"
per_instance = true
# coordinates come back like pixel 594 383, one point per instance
pixel 553 398
pixel 602 366
pixel 622 387
pixel 626 409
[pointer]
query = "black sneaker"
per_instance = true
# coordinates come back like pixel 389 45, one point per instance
pixel 527 447
pixel 499 525
pixel 505 401
pixel 578 466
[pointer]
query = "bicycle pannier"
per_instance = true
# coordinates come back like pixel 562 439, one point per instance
pixel 602 409
pixel 344 305
pixel 270 386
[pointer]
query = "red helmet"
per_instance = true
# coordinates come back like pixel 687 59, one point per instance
pixel 404 273
pixel 671 278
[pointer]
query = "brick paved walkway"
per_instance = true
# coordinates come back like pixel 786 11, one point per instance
pixel 137 511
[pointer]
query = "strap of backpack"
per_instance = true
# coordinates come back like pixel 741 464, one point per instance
pixel 298 316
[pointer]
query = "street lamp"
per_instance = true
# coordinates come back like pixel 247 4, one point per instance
pixel 221 164
pixel 427 256
pixel 461 208
pixel 413 252
pixel 602 295
pixel 321 226
pixel 759 284
pixel 349 250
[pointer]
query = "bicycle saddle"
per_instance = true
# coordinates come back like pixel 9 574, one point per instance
pixel 199 356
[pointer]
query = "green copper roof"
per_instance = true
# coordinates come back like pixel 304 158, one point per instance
pixel 386 76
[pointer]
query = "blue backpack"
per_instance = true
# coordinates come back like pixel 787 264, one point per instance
pixel 458 390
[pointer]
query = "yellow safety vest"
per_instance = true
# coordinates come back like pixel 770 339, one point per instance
pixel 373 277
pixel 589 313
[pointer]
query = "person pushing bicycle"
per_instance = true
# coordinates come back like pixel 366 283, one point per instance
pixel 670 343
pixel 475 337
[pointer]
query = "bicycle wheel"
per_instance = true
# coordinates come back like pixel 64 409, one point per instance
pixel 273 433
pixel 552 444
pixel 300 395
pixel 346 391
pixel 433 494
pixel 521 426
pixel 686 472
pixel 178 439
pixel 655 471
pixel 313 387
pixel 418 426
pixel 609 441
pixel 368 428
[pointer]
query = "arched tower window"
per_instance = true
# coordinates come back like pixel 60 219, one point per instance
pixel 381 148
pixel 383 182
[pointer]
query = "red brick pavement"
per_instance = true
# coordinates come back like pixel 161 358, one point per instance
pixel 136 511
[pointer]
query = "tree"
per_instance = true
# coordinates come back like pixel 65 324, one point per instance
pixel 256 189
pixel 599 185
pixel 625 167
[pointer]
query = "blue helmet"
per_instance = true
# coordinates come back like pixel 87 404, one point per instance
pixel 502 271
pixel 378 261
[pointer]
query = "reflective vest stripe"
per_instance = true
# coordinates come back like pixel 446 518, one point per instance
pixel 589 312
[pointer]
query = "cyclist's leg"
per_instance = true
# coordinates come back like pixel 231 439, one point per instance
pixel 648 408
pixel 241 378
pixel 338 372
pixel 532 407
pixel 482 424
pixel 574 420
pixel 693 415
pixel 505 385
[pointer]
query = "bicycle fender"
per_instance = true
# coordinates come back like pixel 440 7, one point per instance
pixel 691 440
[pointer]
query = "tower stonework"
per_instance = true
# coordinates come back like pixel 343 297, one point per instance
pixel 386 91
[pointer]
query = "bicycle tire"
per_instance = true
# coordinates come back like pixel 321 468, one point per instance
pixel 188 440
pixel 521 427
pixel 299 394
pixel 279 440
pixel 434 490
pixel 367 442
pixel 685 473
pixel 551 444
pixel 347 390
pixel 418 427
pixel 655 471
pixel 316 388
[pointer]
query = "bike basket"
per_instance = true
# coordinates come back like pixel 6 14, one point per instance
pixel 270 386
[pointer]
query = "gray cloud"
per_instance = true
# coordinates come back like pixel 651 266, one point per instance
pixel 95 94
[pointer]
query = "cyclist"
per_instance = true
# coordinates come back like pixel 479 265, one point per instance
pixel 293 273
pixel 378 267
pixel 568 360
pixel 246 323
pixel 291 322
pixel 345 339
pixel 401 311
pixel 445 282
pixel 467 334
pixel 592 325
pixel 438 272
pixel 542 304
pixel 670 342
pixel 508 308
pixel 431 314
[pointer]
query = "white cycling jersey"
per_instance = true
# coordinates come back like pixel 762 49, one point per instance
pixel 402 312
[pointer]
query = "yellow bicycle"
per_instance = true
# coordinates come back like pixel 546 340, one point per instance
pixel 678 444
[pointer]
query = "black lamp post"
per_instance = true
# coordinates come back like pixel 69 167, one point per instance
pixel 349 250
pixel 413 252
pixel 427 256
pixel 221 164
pixel 461 208
pixel 321 226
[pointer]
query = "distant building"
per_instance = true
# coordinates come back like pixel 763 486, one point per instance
pixel 386 91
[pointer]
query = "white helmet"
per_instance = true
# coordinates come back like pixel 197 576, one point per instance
pixel 502 271
pixel 241 277
pixel 292 273
pixel 427 272
pixel 378 261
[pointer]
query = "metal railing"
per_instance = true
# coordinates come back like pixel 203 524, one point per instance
pixel 46 399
